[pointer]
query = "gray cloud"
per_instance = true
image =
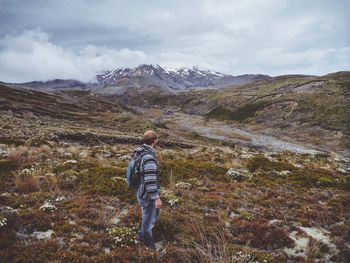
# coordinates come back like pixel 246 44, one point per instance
pixel 76 39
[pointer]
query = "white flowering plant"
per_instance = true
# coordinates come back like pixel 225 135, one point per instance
pixel 47 207
pixel 169 197
pixel 3 221
pixel 194 181
pixel 183 185
pixel 122 236
pixel 238 174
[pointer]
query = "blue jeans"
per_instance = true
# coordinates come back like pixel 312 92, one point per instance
pixel 150 215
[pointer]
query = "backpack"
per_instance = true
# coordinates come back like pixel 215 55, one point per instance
pixel 133 174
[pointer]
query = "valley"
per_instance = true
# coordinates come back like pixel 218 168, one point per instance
pixel 258 172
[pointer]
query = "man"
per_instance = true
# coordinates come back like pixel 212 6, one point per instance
pixel 148 190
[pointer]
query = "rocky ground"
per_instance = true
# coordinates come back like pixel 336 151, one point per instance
pixel 63 195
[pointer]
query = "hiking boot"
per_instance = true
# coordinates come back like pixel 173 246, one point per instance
pixel 139 238
pixel 151 246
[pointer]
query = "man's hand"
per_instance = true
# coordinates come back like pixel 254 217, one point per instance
pixel 158 203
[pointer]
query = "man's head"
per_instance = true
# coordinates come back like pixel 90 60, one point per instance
pixel 150 138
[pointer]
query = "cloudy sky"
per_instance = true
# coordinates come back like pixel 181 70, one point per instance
pixel 47 39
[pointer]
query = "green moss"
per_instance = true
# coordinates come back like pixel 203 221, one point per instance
pixel 264 164
pixel 102 181
pixel 326 181
pixel 242 113
pixel 179 170
pixel 313 177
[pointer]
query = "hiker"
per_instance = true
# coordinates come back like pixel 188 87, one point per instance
pixel 148 190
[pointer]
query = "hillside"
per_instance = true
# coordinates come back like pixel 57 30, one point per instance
pixel 63 195
pixel 304 108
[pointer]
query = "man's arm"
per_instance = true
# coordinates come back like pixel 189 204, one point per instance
pixel 150 170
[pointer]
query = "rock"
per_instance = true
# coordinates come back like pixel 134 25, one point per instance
pixel 42 235
pixel 240 174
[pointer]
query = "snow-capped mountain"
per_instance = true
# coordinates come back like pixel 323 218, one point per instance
pixel 173 79
pixel 146 77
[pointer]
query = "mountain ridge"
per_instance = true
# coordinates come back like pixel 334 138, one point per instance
pixel 145 76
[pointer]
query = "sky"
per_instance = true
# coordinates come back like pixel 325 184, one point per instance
pixel 76 39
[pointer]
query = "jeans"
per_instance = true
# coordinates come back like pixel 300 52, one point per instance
pixel 150 215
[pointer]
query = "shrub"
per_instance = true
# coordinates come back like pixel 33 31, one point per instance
pixel 244 214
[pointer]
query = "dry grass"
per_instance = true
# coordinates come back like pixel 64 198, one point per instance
pixel 218 247
pixel 102 162
pixel 36 179
pixel 25 182
pixel 52 182
pixel 21 155
pixel 74 150
pixel 44 149
pixel 235 163
pixel 316 249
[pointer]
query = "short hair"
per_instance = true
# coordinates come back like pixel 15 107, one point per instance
pixel 149 137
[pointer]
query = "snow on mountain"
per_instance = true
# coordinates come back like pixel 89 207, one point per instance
pixel 155 75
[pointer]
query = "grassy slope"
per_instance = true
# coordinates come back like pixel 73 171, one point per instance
pixel 74 115
pixel 217 219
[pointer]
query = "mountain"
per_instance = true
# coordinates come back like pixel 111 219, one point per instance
pixel 145 77
pixel 57 84
pixel 171 79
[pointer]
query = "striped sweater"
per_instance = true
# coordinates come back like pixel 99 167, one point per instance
pixel 149 187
